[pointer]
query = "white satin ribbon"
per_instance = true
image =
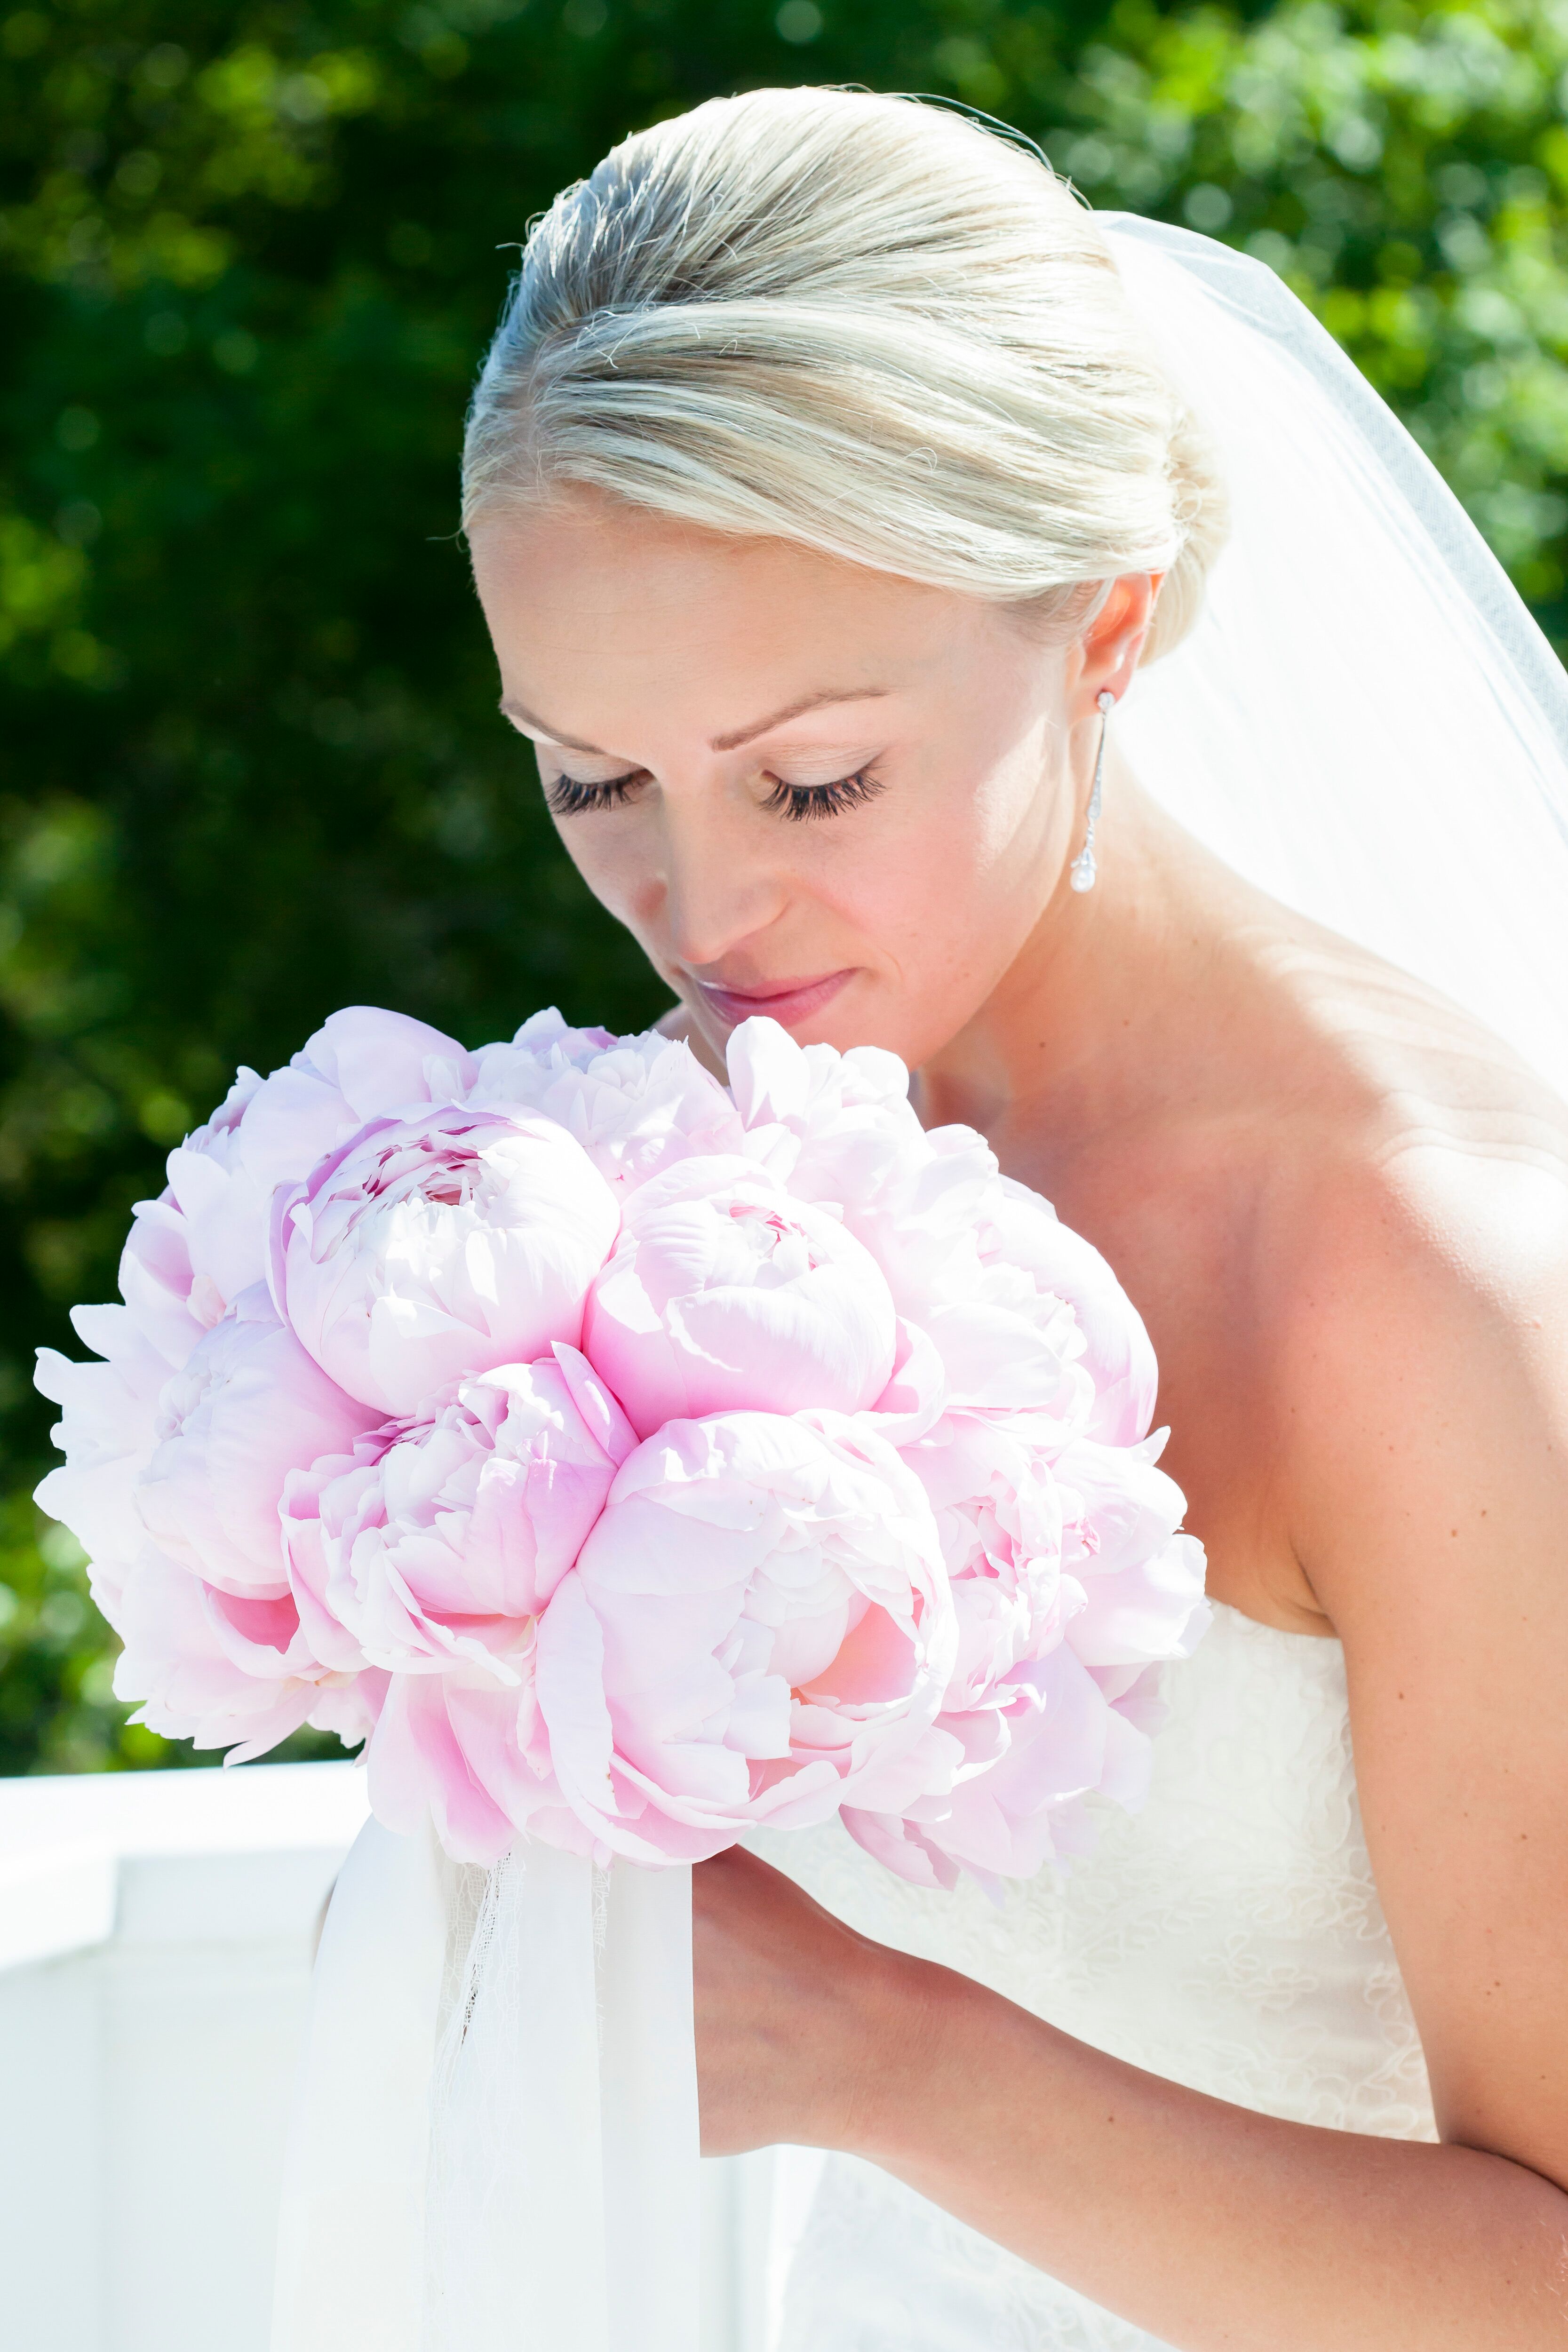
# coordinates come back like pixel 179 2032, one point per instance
pixel 351 2227
pixel 648 2104
pixel 495 2139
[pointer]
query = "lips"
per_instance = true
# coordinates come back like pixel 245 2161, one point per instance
pixel 789 1002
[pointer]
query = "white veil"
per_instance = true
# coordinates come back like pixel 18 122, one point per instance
pixel 1366 722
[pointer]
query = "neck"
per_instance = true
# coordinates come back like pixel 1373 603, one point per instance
pixel 1085 1030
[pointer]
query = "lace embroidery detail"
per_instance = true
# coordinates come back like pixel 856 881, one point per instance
pixel 1230 1938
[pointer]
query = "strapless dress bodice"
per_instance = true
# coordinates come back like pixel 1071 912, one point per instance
pixel 1228 1937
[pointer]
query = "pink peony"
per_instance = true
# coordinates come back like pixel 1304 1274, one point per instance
pixel 637 1105
pixel 107 1432
pixel 228 1672
pixel 724 1294
pixel 430 1551
pixel 1070 1585
pixel 436 1246
pixel 830 1126
pixel 474 1758
pixel 441 1538
pixel 247 1406
pixel 193 1252
pixel 1023 1313
pixel 1142 1582
pixel 999 1517
pixel 1025 1231
pixel 758 1629
pixel 1048 1739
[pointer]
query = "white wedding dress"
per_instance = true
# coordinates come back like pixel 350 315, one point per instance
pixel 1230 1938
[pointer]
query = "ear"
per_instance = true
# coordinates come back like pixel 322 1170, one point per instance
pixel 1110 647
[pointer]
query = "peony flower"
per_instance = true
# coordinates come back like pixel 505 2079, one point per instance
pixel 438 1246
pixel 758 1628
pixel 472 1757
pixel 549 1042
pixel 107 1432
pixel 193 1252
pixel 1071 1587
pixel 1142 1582
pixel 429 1551
pixel 1005 1340
pixel 440 1538
pixel 246 1409
pixel 1023 1231
pixel 831 1126
pixel 637 1105
pixel 723 1294
pixel 1049 1738
pixel 226 1672
pixel 1024 1313
pixel 999 1517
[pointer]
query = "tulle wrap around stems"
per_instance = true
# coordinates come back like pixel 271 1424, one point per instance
pixel 495 2134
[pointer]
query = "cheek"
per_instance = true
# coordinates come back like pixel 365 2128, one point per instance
pixel 612 856
pixel 1017 815
pixel 966 879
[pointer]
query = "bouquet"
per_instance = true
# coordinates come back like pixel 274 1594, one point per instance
pixel 630 1460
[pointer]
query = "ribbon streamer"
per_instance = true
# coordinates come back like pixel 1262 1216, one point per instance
pixel 495 2139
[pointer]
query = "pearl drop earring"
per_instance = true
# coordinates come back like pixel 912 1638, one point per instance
pixel 1085 872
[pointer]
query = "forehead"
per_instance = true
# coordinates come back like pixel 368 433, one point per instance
pixel 589 599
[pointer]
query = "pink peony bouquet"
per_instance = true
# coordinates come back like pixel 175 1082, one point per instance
pixel 630 1461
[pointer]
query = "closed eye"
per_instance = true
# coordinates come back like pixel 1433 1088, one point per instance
pixel 799 803
pixel 568 797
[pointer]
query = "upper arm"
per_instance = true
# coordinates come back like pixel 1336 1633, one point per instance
pixel 1428 1490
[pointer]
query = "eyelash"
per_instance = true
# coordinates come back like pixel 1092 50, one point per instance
pixel 802 803
pixel 798 803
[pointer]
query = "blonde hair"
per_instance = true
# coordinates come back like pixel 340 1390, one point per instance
pixel 860 323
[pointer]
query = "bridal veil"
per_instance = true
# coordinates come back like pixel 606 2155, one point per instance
pixel 1366 720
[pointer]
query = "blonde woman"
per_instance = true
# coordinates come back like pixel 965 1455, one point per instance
pixel 841 490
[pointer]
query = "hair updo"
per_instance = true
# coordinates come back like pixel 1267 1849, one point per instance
pixel 860 323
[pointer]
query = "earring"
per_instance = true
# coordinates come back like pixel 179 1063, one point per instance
pixel 1085 872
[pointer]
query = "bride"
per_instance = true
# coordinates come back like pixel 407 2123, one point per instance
pixel 842 496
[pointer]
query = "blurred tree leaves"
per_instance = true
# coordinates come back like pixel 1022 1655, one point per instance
pixel 250 256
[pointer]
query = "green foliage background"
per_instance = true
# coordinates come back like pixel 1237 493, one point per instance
pixel 250 254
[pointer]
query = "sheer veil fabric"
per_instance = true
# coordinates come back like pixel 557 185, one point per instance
pixel 495 2139
pixel 1366 720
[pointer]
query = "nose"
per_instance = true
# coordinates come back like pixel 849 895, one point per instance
pixel 719 887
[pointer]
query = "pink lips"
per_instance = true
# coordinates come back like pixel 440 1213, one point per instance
pixel 794 1000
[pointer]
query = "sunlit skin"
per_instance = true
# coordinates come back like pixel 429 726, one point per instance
pixel 1344 1212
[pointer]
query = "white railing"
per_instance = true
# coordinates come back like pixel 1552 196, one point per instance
pixel 156 1931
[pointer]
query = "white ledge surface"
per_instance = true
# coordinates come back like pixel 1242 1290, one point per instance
pixel 148 1857
pixel 156 1932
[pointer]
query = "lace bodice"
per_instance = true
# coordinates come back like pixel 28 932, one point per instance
pixel 1229 1937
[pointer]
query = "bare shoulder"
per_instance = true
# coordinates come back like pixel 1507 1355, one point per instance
pixel 1421 1316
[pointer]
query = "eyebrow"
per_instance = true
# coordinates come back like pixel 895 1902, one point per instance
pixel 718 742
